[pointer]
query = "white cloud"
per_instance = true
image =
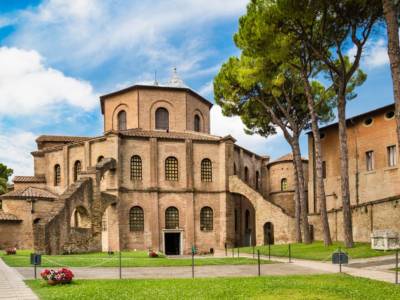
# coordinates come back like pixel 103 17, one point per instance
pixel 207 89
pixel 28 87
pixel 374 55
pixel 95 31
pixel 15 148
pixel 222 126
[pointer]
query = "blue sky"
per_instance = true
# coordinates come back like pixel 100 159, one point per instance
pixel 58 56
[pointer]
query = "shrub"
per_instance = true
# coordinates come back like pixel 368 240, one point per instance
pixel 11 251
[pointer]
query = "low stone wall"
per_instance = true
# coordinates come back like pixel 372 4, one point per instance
pixel 375 215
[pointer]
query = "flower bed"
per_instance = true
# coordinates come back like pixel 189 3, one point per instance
pixel 61 276
pixel 11 251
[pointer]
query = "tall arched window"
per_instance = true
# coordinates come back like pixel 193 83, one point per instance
pixel 77 169
pixel 121 120
pixel 136 168
pixel 257 180
pixel 206 170
pixel 171 169
pixel 206 219
pixel 246 174
pixel 162 118
pixel 197 123
pixel 136 219
pixel 234 169
pixel 57 175
pixel 171 218
pixel 284 184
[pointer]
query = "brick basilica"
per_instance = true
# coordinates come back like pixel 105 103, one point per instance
pixel 157 179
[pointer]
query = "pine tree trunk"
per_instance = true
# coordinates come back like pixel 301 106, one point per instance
pixel 321 197
pixel 392 26
pixel 344 171
pixel 299 170
pixel 297 209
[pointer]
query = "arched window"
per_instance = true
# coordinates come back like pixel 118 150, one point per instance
pixel 171 169
pixel 247 219
pixel 206 170
pixel 257 180
pixel 136 168
pixel 136 219
pixel 121 120
pixel 197 123
pixel 234 169
pixel 57 175
pixel 77 169
pixel 284 184
pixel 246 174
pixel 206 219
pixel 162 118
pixel 100 158
pixel 171 218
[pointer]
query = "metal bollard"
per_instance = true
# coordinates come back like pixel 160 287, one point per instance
pixel 290 254
pixel 397 266
pixel 269 251
pixel 258 261
pixel 120 265
pixel 226 250
pixel 233 252
pixel 192 264
pixel 340 260
pixel 238 252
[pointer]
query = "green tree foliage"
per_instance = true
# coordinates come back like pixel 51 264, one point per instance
pixel 266 96
pixel 5 173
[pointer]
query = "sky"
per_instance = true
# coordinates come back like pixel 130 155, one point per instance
pixel 58 56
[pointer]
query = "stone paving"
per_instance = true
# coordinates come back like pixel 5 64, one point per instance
pixel 359 270
pixel 185 272
pixel 12 286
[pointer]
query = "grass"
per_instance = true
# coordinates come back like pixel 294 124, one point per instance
pixel 129 259
pixel 317 251
pixel 327 287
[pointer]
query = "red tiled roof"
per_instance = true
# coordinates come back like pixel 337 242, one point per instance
pixel 287 157
pixel 29 179
pixel 8 217
pixel 61 138
pixel 29 192
pixel 170 134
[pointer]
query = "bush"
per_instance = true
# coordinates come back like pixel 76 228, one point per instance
pixel 11 251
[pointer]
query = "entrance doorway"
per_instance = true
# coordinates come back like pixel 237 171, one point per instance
pixel 268 233
pixel 172 243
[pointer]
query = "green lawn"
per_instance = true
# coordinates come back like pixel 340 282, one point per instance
pixel 327 287
pixel 129 259
pixel 317 251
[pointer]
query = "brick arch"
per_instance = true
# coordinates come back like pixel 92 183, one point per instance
pixel 202 121
pixel 115 113
pixel 265 211
pixel 171 111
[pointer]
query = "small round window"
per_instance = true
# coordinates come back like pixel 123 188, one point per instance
pixel 368 122
pixel 389 115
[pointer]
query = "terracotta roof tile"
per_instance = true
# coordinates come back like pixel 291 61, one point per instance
pixel 170 134
pixel 8 217
pixel 29 192
pixel 287 157
pixel 29 179
pixel 61 138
